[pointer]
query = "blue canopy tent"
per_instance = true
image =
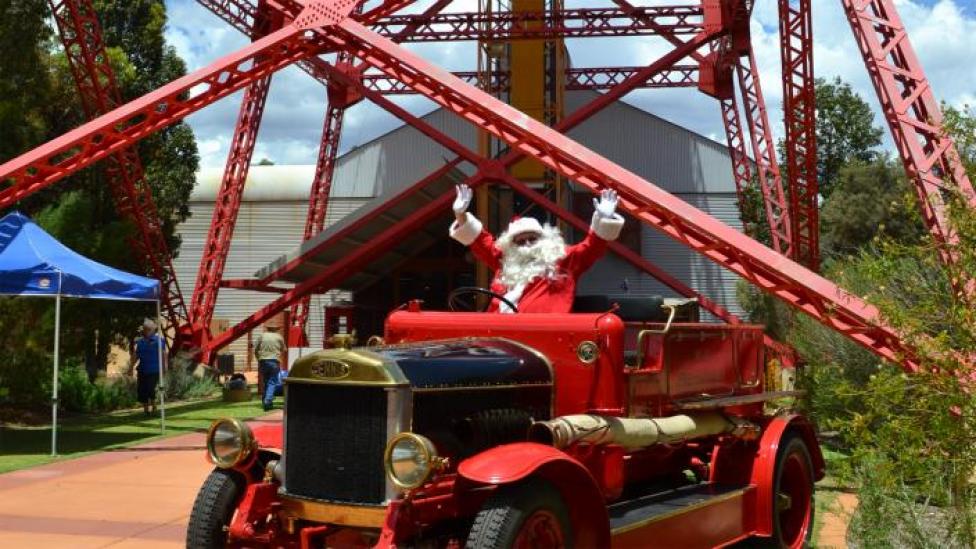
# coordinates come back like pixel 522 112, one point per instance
pixel 33 263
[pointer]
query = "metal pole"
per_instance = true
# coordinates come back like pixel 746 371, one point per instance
pixel 162 370
pixel 54 397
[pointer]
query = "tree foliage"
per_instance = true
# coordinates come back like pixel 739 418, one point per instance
pixel 845 131
pixel 41 102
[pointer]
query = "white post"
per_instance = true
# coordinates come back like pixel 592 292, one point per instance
pixel 54 391
pixel 162 369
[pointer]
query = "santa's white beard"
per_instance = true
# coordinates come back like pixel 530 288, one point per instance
pixel 522 264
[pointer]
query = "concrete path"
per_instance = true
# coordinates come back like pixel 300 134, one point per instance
pixel 135 497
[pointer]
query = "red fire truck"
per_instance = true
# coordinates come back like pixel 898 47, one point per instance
pixel 633 425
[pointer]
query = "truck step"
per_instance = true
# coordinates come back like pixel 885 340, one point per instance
pixel 644 511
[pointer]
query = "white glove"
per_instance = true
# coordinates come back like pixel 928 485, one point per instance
pixel 606 206
pixel 462 200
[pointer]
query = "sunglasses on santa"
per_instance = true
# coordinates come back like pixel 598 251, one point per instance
pixel 525 239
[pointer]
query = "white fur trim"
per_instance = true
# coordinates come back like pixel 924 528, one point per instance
pixel 607 228
pixel 524 225
pixel 513 295
pixel 467 233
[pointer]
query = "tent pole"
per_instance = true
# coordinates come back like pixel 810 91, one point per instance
pixel 54 397
pixel 162 369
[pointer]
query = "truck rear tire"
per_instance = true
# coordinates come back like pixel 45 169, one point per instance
pixel 792 495
pixel 527 515
pixel 213 510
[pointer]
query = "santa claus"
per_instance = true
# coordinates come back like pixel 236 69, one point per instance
pixel 534 268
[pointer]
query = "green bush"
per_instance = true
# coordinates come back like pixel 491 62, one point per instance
pixel 181 384
pixel 77 394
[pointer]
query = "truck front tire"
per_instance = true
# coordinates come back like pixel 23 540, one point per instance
pixel 793 495
pixel 530 514
pixel 213 510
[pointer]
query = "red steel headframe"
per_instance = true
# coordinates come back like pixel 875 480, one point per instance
pixel 326 26
pixel 800 111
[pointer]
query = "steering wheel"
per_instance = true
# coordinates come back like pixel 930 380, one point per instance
pixel 458 305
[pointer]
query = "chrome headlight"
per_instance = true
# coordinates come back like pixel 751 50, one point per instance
pixel 229 442
pixel 410 458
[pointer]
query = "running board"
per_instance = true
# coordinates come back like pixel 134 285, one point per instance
pixel 702 515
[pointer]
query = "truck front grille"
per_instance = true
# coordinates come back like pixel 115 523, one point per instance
pixel 334 441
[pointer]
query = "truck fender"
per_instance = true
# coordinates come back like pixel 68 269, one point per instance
pixel 511 463
pixel 763 468
pixel 268 436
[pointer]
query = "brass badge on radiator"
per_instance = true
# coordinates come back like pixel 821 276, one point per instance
pixel 330 369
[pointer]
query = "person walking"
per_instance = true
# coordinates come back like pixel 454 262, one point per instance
pixel 269 349
pixel 146 351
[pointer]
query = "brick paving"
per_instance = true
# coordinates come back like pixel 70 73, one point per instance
pixel 134 497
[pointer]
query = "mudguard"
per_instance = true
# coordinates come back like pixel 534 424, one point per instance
pixel 764 465
pixel 268 436
pixel 511 463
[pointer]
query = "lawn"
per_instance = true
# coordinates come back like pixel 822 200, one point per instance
pixel 23 446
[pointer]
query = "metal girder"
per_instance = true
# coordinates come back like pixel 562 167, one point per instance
pixel 81 35
pixel 768 270
pixel 764 155
pixel 226 207
pixel 589 78
pixel 736 141
pixel 913 115
pixel 566 23
pixel 493 170
pixel 800 112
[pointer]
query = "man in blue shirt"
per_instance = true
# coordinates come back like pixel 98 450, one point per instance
pixel 146 353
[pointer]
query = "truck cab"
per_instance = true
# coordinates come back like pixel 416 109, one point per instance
pixel 628 424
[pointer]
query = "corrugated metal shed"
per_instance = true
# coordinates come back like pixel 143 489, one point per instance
pixel 272 219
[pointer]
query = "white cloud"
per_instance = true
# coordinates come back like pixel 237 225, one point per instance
pixel 942 32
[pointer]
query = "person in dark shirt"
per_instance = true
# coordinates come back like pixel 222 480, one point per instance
pixel 146 352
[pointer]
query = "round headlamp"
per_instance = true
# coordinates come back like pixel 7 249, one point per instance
pixel 229 442
pixel 410 458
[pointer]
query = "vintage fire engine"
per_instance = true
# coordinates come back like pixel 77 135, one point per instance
pixel 631 426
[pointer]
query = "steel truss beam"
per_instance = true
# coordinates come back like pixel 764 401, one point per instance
pixel 800 112
pixel 913 116
pixel 764 155
pixel 567 23
pixel 589 78
pixel 493 170
pixel 768 270
pixel 228 201
pixel 81 35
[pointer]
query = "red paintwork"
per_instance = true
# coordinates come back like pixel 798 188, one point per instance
pixel 713 526
pixel 800 143
pixel 554 335
pixel 249 522
pixel 764 465
pixel 511 462
pixel 913 114
pixel 269 436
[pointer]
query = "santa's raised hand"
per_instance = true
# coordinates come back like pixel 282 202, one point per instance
pixel 462 200
pixel 606 205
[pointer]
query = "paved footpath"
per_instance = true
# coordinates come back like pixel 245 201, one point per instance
pixel 134 497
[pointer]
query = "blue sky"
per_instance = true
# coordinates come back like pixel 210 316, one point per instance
pixel 942 31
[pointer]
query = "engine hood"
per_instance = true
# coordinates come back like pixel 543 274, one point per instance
pixel 469 362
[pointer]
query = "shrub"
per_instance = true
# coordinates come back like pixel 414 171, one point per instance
pixel 77 394
pixel 181 384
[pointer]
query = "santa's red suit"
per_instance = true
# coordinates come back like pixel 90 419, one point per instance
pixel 552 291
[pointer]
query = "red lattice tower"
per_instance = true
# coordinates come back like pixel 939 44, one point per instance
pixel 713 34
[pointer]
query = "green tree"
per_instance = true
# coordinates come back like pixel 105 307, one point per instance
pixel 80 210
pixel 845 131
pixel 870 199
